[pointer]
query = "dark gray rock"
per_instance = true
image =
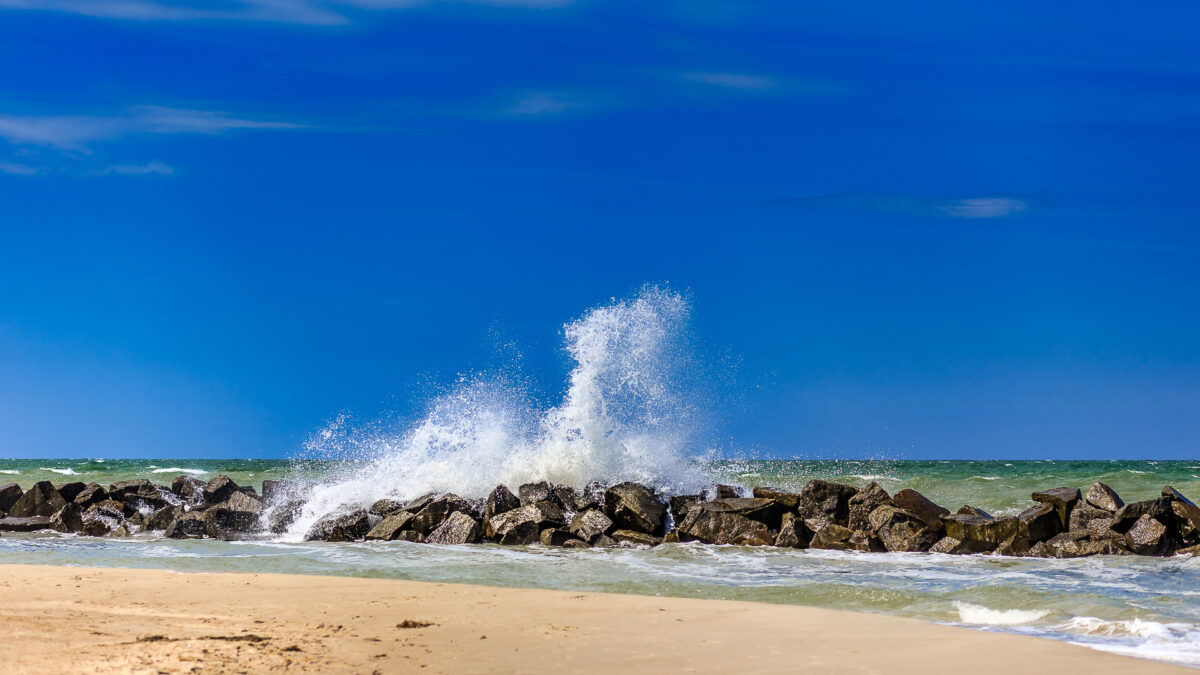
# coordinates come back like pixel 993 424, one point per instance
pixel 541 491
pixel 24 523
pixel 108 509
pixel 824 501
pixel 523 525
pixel 590 524
pixel 187 525
pixel 1175 495
pixel 635 507
pixel 68 491
pixel 458 528
pixel 433 514
pixel 899 530
pixel 389 528
pixel 278 517
pixel 119 490
pixel 9 494
pixel 866 501
pixel 1041 522
pixel 162 518
pixel 978 533
pixel 218 489
pixel 727 491
pixel 341 526
pixel 421 502
pixel 951 546
pixel 1083 515
pixel 789 500
pixel 1102 497
pixel 92 493
pixel 833 537
pixel 766 511
pixel 235 516
pixel 1129 514
pixel 67 519
pixel 716 523
pixel 1148 536
pixel 1063 499
pixel 866 542
pixel 40 500
pixel 555 536
pixel 635 538
pixel 385 507
pixel 568 496
pixel 793 533
pixel 1186 521
pixel 188 488
pixel 679 505
pixel 968 510
pixel 499 501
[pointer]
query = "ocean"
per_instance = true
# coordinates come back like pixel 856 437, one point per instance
pixel 1147 607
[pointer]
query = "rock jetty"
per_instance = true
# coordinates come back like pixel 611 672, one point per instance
pixel 1063 522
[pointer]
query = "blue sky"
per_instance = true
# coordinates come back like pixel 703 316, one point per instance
pixel 921 230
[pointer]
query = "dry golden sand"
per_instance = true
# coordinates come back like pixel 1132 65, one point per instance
pixel 76 620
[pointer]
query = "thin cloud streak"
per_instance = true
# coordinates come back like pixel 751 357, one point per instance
pixel 18 169
pixel 971 207
pixel 154 168
pixel 732 80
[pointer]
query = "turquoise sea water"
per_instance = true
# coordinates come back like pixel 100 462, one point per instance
pixel 1139 606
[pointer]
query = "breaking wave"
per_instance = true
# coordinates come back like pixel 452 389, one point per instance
pixel 626 414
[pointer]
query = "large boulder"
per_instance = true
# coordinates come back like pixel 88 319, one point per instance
pixel 968 510
pixel 340 526
pixel 789 500
pixel 67 519
pixel 716 522
pixel 458 528
pixel 433 514
pixel 24 523
pixel 187 525
pixel 285 490
pixel 162 518
pixel 1041 522
pixel 236 515
pixel 1127 515
pixel 635 539
pixel 1083 515
pixel 980 534
pixel 523 525
pixel 9 494
pixel 68 491
pixel 280 515
pixel 538 492
pixel 823 501
pixel 386 507
pixel 189 489
pixel 864 502
pixel 120 489
pixel 591 524
pixel 832 536
pixel 766 511
pixel 1186 520
pixel 570 498
pixel 1175 495
pixel 390 528
pixel 500 500
pixel 793 533
pixel 40 500
pixel 899 530
pixel 218 489
pixel 678 505
pixel 951 546
pixel 634 507
pixel 1102 497
pixel 92 493
pixel 1063 500
pixel 1148 536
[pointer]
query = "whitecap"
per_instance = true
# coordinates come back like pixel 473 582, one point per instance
pixel 10 472
pixel 870 477
pixel 65 472
pixel 986 616
pixel 175 469
pixel 986 477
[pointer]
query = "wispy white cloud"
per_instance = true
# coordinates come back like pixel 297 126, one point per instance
pixel 154 168
pixel 971 207
pixel 543 104
pixel 732 80
pixel 73 132
pixel 983 207
pixel 18 169
pixel 310 12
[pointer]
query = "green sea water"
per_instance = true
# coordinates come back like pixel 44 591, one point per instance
pixel 1144 607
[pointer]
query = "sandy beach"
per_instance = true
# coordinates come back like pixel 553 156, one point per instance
pixel 152 621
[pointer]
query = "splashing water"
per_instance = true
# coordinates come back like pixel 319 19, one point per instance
pixel 625 416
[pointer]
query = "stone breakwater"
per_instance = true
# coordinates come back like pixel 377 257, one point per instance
pixel 1063 522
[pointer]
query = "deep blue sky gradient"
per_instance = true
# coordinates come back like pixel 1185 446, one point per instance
pixel 947 230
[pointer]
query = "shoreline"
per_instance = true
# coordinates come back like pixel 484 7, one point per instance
pixel 138 620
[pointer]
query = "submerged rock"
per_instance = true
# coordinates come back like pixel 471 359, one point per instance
pixel 634 507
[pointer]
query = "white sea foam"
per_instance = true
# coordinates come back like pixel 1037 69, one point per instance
pixel 986 616
pixel 624 416
pixel 10 472
pixel 175 469
pixel 65 472
pixel 1177 642
pixel 871 477
pixel 986 477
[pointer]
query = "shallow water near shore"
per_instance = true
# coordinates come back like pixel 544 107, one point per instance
pixel 1138 606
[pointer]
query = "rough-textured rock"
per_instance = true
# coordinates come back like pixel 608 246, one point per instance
pixel 1193 551
pixel 833 537
pixel 9 494
pixel 1083 515
pixel 389 528
pixel 458 528
pixel 590 524
pixel 978 533
pixel 437 511
pixel 716 523
pixel 500 500
pixel 92 493
pixel 951 546
pixel 541 491
pixel 119 490
pixel 189 489
pixel 790 500
pixel 24 523
pixel 350 526
pixel 1062 499
pixel 864 502
pixel 1041 522
pixel 40 500
pixel 634 507
pixel 281 514
pixel 1018 544
pixel 568 496
pixel 187 525
pixel 68 491
pixel 679 505
pixel 385 507
pixel 108 509
pixel 1148 536
pixel 726 491
pixel 766 511
pixel 161 519
pixel 592 496
pixel 523 525
pixel 968 510
pixel 604 541
pixel 865 542
pixel 1073 545
pixel 218 489
pixel 793 532
pixel 421 502
pixel 1186 520
pixel 236 515
pixel 1171 493
pixel 823 501
pixel 1129 514
pixel 1102 497
pixel 634 538
pixel 67 519
pixel 286 490
pixel 900 530
pixel 556 536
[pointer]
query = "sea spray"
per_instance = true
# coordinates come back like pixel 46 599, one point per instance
pixel 626 414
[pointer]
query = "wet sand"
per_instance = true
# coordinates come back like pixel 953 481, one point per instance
pixel 68 619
